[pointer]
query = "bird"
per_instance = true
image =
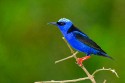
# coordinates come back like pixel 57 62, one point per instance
pixel 79 40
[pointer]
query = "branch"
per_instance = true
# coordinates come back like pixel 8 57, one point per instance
pixel 64 81
pixel 83 68
pixel 82 79
pixel 67 57
pixel 104 81
pixel 89 76
pixel 103 69
pixel 72 51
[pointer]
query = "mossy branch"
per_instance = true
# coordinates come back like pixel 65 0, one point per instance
pixel 89 76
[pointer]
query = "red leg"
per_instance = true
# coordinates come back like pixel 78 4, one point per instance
pixel 80 60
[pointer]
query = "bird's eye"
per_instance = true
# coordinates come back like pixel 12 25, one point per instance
pixel 61 23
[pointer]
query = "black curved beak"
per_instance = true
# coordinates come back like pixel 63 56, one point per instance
pixel 53 23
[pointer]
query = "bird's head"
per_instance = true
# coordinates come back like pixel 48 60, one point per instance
pixel 63 24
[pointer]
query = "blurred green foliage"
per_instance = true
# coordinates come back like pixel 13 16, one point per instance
pixel 29 47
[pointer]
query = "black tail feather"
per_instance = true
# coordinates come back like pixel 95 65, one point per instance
pixel 105 55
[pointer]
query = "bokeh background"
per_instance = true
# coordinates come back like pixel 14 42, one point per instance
pixel 29 47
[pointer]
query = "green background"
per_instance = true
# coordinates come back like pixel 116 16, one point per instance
pixel 29 47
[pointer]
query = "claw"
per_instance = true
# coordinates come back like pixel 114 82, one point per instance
pixel 80 60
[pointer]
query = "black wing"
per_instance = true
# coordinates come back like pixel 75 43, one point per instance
pixel 86 40
pixel 82 37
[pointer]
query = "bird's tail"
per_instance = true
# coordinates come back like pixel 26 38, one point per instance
pixel 105 55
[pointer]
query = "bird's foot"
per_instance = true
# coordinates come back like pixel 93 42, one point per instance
pixel 80 60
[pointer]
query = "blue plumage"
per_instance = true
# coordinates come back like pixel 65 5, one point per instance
pixel 77 39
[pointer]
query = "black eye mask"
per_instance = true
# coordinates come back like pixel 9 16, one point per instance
pixel 61 23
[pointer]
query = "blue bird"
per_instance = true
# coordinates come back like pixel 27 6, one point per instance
pixel 79 40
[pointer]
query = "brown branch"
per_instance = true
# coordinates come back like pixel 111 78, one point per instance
pixel 83 68
pixel 67 57
pixel 103 69
pixel 90 76
pixel 72 51
pixel 64 81
pixel 104 81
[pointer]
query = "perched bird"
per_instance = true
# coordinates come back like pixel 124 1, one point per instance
pixel 79 40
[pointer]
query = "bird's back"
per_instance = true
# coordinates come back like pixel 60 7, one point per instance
pixel 80 41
